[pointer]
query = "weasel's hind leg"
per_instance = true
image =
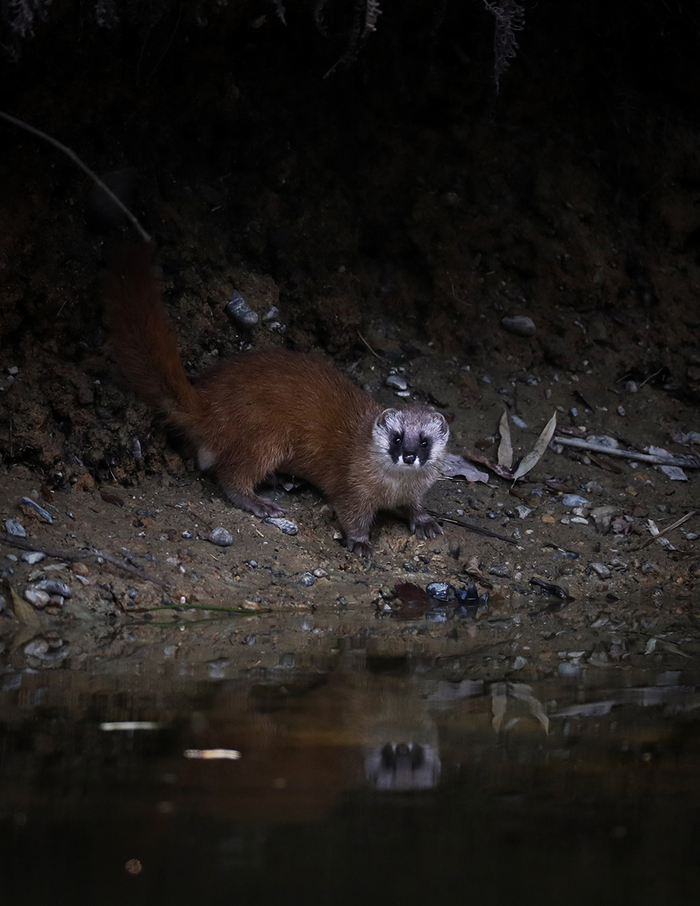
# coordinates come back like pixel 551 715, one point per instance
pixel 239 485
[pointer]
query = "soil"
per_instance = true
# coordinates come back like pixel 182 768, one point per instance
pixel 391 215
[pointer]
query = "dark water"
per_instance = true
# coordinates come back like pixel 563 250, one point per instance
pixel 385 784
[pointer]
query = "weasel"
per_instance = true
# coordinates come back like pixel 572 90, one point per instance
pixel 269 411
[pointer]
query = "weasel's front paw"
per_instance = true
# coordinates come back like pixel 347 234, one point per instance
pixel 425 527
pixel 361 548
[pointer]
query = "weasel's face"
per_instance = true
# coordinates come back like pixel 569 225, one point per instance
pixel 413 438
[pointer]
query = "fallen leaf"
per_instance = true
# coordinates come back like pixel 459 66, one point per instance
pixel 505 448
pixel 533 457
pixel 455 465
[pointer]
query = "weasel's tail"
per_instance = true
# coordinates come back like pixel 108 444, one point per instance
pixel 143 339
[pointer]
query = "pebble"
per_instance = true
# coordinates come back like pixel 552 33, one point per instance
pixel 601 570
pixel 55 587
pixel 80 569
pixel 240 312
pixel 221 537
pixel 501 571
pixel 284 525
pixel 307 580
pixel 574 500
pixel 439 590
pixel 36 597
pixel 39 510
pixel 523 511
pixel 15 527
pixel 320 573
pixel 396 382
pixel 520 325
pixel 32 557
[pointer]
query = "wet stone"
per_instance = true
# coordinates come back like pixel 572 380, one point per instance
pixel 501 571
pixel 55 587
pixel 396 382
pixel 439 590
pixel 307 580
pixel 284 525
pixel 240 312
pixel 39 510
pixel 520 325
pixel 601 570
pixel 221 537
pixel 37 598
pixel 15 527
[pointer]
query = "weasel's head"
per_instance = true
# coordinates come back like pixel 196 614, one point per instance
pixel 412 438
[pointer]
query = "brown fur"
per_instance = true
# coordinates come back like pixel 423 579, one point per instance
pixel 264 411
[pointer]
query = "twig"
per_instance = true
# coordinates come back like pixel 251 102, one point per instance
pixel 76 160
pixel 669 528
pixel 85 554
pixel 686 462
pixel 470 527
pixel 376 354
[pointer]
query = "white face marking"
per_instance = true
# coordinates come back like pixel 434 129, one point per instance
pixel 410 440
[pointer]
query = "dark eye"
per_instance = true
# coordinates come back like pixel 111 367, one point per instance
pixel 396 439
pixel 424 441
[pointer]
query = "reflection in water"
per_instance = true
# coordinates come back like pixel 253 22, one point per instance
pixel 401 786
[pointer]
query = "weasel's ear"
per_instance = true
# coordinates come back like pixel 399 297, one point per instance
pixel 441 423
pixel 382 420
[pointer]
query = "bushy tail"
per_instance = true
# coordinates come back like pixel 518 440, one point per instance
pixel 143 339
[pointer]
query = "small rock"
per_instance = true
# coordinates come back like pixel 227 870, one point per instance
pixel 80 569
pixel 601 570
pixel 32 557
pixel 439 590
pixel 284 525
pixel 501 570
pixel 37 598
pixel 307 580
pixel 675 473
pixel 520 325
pixel 39 510
pixel 15 527
pixel 396 382
pixel 523 511
pixel 240 312
pixel 221 536
pixel 573 500
pixel 55 587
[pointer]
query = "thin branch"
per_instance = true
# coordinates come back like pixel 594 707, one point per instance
pixel 85 554
pixel 470 527
pixel 684 462
pixel 664 532
pixel 76 160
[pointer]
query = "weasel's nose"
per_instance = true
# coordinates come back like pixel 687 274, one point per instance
pixel 409 458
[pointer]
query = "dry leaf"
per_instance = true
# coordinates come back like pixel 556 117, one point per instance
pixel 533 457
pixel 23 610
pixel 455 465
pixel 505 448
